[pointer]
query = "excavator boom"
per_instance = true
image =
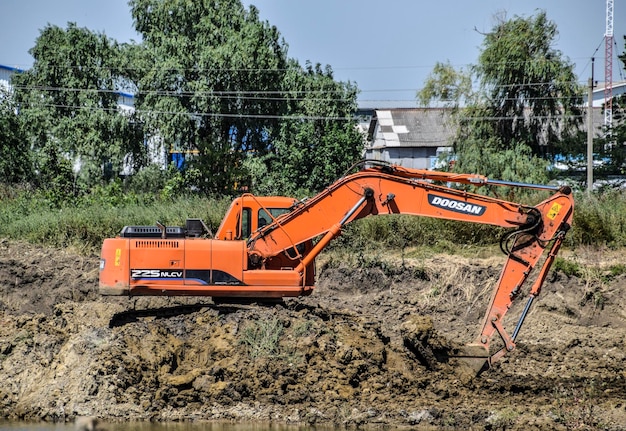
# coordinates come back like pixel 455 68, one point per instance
pixel 266 246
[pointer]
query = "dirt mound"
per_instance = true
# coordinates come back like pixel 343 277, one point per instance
pixel 34 280
pixel 369 347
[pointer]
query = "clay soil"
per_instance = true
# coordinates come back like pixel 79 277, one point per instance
pixel 369 348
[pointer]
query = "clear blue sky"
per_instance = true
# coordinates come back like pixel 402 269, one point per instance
pixel 386 47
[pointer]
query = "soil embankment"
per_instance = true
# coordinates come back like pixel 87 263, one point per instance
pixel 367 348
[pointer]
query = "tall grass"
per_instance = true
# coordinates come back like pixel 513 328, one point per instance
pixel 83 225
pixel 599 220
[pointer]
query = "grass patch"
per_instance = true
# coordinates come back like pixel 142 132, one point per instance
pixel 616 270
pixel 567 267
pixel 575 407
pixel 261 338
pixel 85 225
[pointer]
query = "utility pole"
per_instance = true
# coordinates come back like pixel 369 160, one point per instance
pixel 590 133
pixel 608 68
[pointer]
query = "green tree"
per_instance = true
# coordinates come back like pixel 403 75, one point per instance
pixel 450 87
pixel 317 140
pixel 216 80
pixel 531 90
pixel 15 156
pixel 68 101
pixel 210 80
pixel 526 104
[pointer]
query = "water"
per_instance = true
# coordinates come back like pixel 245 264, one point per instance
pixel 149 426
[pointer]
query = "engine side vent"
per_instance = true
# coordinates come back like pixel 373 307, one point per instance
pixel 156 244
pixel 151 232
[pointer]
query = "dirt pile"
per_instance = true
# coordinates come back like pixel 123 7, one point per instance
pixel 367 348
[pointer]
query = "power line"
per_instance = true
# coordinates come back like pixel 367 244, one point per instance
pixel 518 118
pixel 322 68
pixel 264 95
pixel 234 93
pixel 198 114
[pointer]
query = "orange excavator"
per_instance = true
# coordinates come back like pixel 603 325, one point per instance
pixel 265 247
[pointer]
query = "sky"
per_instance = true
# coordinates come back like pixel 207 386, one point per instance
pixel 386 47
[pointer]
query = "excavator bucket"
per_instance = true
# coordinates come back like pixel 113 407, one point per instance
pixel 472 359
pixel 431 349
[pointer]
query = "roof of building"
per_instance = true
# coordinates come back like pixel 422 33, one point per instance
pixel 617 88
pixel 10 69
pixel 599 86
pixel 428 127
pixel 411 127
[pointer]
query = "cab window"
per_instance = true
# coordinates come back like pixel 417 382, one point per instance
pixel 246 218
pixel 264 217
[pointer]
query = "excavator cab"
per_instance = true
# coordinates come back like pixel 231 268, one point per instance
pixel 248 213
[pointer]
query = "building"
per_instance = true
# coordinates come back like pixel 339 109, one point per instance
pixel 6 72
pixel 617 89
pixel 421 138
pixel 418 138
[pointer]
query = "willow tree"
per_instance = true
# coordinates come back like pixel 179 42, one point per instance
pixel 530 87
pixel 68 104
pixel 209 74
pixel 524 107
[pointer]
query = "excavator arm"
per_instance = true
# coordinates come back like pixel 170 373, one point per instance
pixel 394 190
